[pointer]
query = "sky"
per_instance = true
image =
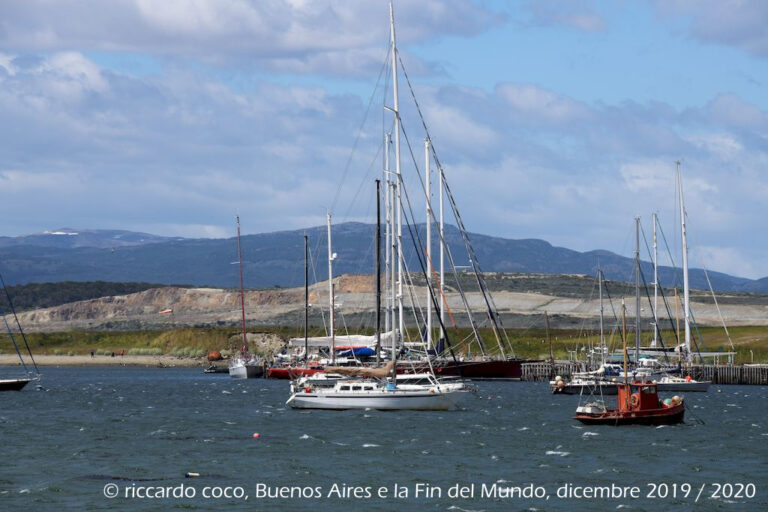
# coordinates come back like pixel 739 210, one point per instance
pixel 559 120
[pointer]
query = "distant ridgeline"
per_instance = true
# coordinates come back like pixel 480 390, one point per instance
pixel 277 259
pixel 45 295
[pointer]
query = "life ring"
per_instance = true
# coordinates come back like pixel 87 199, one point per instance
pixel 634 401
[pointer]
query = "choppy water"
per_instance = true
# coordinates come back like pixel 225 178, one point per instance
pixel 138 428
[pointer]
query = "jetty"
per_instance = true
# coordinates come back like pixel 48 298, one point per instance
pixel 746 374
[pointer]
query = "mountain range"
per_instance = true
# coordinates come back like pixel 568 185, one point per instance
pixel 277 259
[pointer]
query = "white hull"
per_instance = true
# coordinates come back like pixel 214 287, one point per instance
pixel 382 400
pixel 682 385
pixel 238 369
pixel 577 386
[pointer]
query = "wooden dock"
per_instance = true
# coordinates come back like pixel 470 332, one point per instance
pixel 718 374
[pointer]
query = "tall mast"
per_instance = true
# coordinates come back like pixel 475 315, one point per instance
pixel 549 339
pixel 244 348
pixel 442 255
pixel 331 304
pixel 655 281
pixel 686 296
pixel 306 298
pixel 399 180
pixel 378 268
pixel 602 335
pixel 428 188
pixel 388 235
pixel 637 290
pixel 624 336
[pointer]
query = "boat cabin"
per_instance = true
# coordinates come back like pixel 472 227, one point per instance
pixel 637 396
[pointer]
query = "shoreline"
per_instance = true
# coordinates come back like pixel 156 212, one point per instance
pixel 163 361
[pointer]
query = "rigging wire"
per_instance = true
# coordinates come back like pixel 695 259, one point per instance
pixel 491 309
pixel 359 134
pixel 18 324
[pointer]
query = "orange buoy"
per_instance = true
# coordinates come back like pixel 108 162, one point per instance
pixel 214 355
pixel 256 435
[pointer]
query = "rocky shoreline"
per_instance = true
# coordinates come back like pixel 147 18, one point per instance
pixel 163 361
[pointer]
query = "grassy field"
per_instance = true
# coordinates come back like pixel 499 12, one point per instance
pixel 531 343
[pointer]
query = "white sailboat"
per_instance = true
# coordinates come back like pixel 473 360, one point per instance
pixel 673 382
pixel 244 365
pixel 378 388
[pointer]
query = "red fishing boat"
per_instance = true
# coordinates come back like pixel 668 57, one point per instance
pixel 637 403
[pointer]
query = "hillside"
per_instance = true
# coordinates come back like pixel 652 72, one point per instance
pixel 276 260
pixel 521 299
pixel 44 295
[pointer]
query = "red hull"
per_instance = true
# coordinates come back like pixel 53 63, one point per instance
pixel 510 369
pixel 636 404
pixel 665 416
pixel 290 372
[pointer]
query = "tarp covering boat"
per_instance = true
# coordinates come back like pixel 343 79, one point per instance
pixel 357 371
pixel 357 340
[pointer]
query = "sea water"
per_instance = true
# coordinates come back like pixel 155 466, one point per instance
pixel 136 432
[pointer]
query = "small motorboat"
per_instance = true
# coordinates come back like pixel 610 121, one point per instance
pixel 216 369
pixel 637 403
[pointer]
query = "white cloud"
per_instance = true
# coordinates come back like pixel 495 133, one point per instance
pixel 730 260
pixel 731 110
pixel 739 23
pixel 293 36
pixel 722 145
pixel 539 104
pixel 647 176
pixel 574 14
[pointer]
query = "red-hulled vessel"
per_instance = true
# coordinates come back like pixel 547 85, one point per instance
pixel 477 369
pixel 292 372
pixel 637 403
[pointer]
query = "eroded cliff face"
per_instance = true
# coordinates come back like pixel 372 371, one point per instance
pixel 173 307
pixel 162 308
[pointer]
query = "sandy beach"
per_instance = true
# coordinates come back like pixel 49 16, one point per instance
pixel 101 360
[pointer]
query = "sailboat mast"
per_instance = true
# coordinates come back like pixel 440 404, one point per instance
pixel 387 235
pixel 442 254
pixel 330 290
pixel 428 189
pixel 306 298
pixel 637 290
pixel 399 181
pixel 686 296
pixel 655 281
pixel 602 335
pixel 624 336
pixel 244 348
pixel 378 268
